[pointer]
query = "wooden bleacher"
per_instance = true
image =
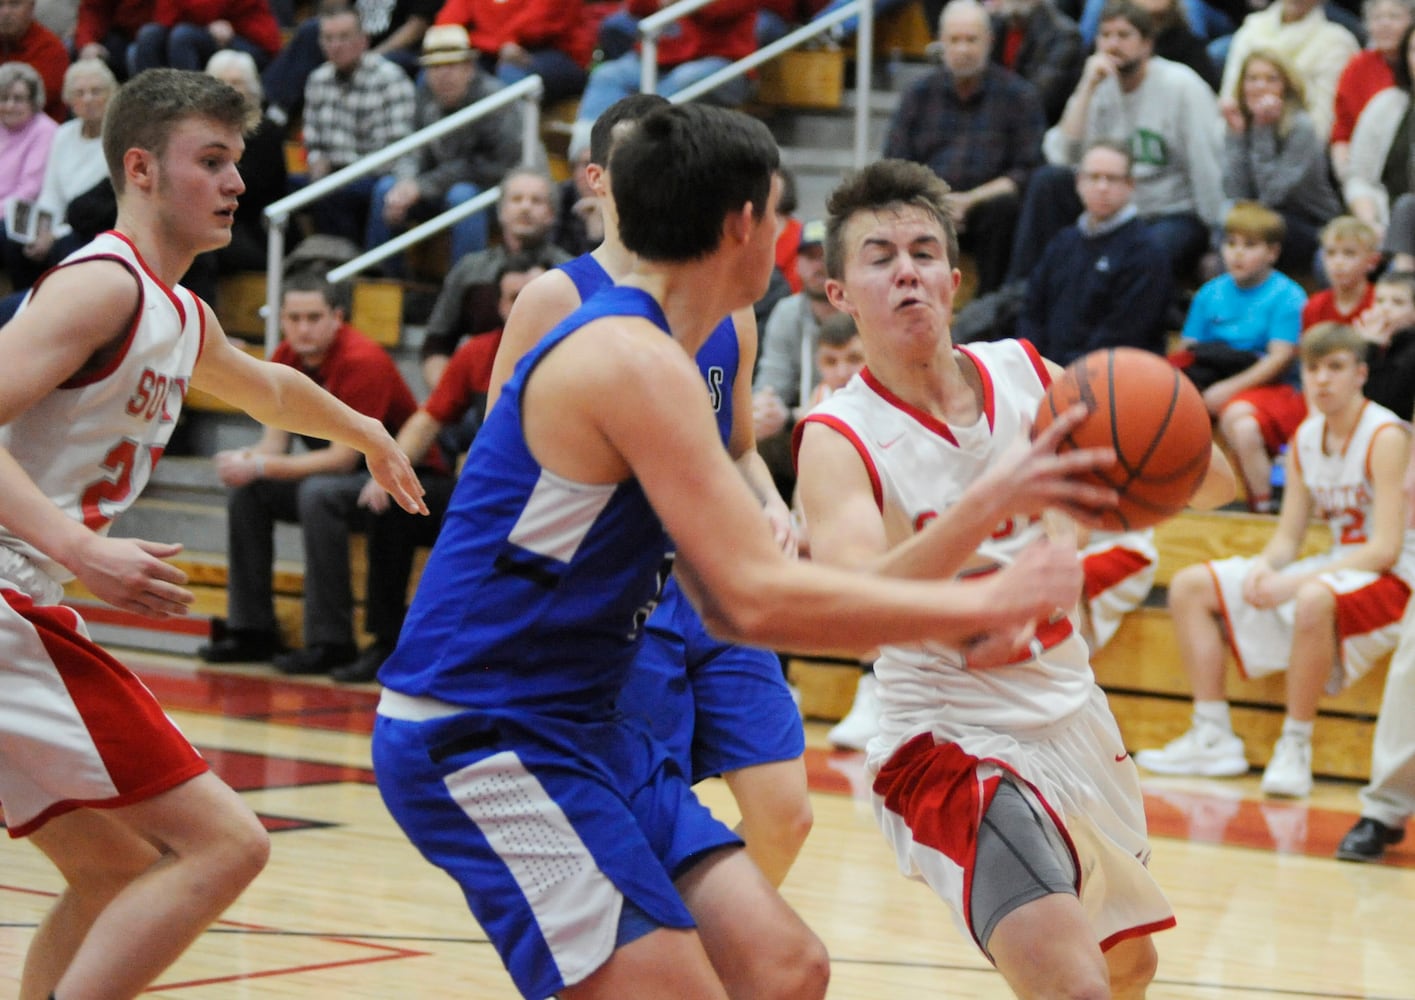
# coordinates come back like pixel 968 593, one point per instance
pixel 1142 674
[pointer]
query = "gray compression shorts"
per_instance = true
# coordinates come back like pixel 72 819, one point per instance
pixel 1020 859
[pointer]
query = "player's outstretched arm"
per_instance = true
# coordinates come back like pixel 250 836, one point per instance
pixel 602 407
pixel 280 396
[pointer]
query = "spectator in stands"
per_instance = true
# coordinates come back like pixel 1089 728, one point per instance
pixel 1164 113
pixel 355 104
pixel 26 134
pixel 1367 73
pixel 106 28
pixel 74 164
pixel 1042 46
pixel 25 40
pixel 578 224
pixel 1350 252
pixel 1315 48
pixel 1103 282
pixel 979 127
pixel 786 371
pixel 184 34
pixel 1176 41
pixel 262 167
pixel 699 45
pixel 393 29
pixel 534 36
pixel 1273 155
pixel 778 18
pixel 1388 328
pixel 1378 169
pixel 468 301
pixel 1203 19
pixel 460 165
pixel 1238 345
pixel 457 400
pixel 1324 619
pixel 317 488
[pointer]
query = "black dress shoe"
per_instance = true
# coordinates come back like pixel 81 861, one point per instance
pixel 241 646
pixel 365 668
pixel 318 659
pixel 1368 840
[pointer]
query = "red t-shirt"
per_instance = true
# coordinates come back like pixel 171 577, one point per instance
pixel 361 374
pixel 531 24
pixel 43 50
pixel 1321 308
pixel 1365 76
pixel 467 376
pixel 250 19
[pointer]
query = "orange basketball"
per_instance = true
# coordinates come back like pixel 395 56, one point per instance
pixel 1154 418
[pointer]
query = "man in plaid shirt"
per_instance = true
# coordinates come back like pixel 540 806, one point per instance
pixel 355 104
pixel 979 127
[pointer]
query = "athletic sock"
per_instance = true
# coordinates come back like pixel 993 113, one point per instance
pixel 1213 713
pixel 1302 730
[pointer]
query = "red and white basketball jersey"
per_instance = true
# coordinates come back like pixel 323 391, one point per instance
pixel 1339 480
pixel 920 466
pixel 91 444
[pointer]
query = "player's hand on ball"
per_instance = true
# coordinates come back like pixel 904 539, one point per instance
pixel 1032 478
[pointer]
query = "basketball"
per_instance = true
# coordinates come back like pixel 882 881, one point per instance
pixel 1154 418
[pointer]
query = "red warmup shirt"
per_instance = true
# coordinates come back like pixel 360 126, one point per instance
pixel 361 374
pixel 251 19
pixel 727 28
pixel 531 24
pixel 43 50
pixel 467 375
pixel 1365 76
pixel 98 17
pixel 1321 308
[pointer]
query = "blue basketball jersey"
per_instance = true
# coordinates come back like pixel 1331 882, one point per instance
pixel 536 592
pixel 717 358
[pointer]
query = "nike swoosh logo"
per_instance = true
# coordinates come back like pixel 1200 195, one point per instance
pixel 892 441
pixel 1120 757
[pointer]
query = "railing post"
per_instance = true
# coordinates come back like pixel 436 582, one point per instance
pixel 864 81
pixel 274 278
pixel 648 64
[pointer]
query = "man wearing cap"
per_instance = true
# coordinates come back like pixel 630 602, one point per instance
pixel 356 103
pixel 457 167
pixel 786 369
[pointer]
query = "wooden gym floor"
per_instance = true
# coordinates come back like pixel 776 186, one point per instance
pixel 347 909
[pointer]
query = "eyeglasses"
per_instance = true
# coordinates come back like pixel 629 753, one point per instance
pixel 1094 178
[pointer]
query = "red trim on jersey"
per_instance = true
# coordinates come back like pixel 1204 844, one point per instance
pixel 1378 604
pixel 1141 930
pixel 78 382
pixel 989 402
pixel 1043 372
pixel 1371 445
pixel 176 302
pixel 1227 623
pixel 201 337
pixel 930 422
pixel 1107 568
pixel 848 432
pixel 142 751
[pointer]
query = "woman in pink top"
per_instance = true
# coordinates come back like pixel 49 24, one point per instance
pixel 25 134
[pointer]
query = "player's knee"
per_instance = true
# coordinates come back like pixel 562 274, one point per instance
pixel 1314 605
pixel 1191 587
pixel 806 972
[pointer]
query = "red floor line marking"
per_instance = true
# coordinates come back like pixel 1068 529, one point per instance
pixel 293 970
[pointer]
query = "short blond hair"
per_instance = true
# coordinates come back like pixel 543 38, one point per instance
pixel 1349 229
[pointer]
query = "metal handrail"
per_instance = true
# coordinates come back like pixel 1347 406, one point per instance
pixel 651 27
pixel 277 214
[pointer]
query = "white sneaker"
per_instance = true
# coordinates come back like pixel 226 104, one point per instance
pixel 1289 773
pixel 1205 750
pixel 861 723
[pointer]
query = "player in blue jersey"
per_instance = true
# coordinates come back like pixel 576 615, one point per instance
pixel 498 748
pixel 719 708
